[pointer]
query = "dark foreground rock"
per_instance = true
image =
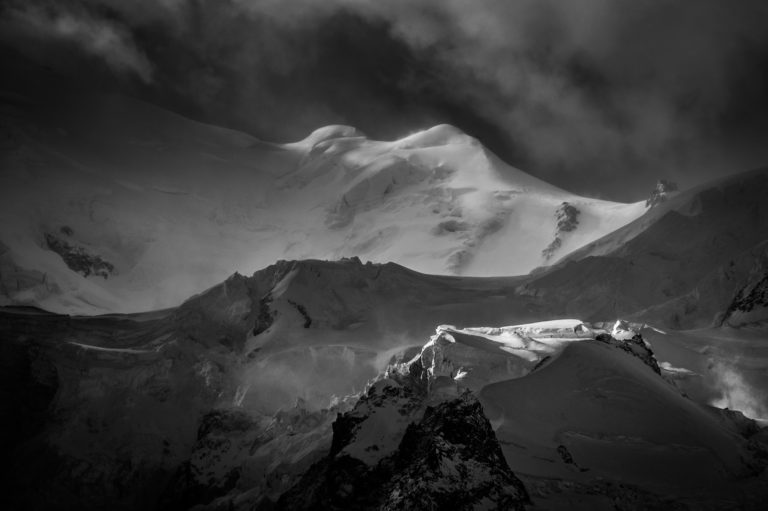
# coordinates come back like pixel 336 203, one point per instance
pixel 447 458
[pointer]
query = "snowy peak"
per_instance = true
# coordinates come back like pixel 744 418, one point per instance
pixel 440 135
pixel 146 185
pixel 405 446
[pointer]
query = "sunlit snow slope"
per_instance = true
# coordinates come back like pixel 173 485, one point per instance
pixel 110 204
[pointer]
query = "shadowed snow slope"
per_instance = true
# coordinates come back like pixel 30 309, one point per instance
pixel 173 206
pixel 595 408
pixel 681 265
pixel 595 413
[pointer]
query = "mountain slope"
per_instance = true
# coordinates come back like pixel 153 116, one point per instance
pixel 680 265
pixel 227 399
pixel 111 204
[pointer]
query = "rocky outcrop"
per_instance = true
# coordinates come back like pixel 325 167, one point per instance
pixel 265 317
pixel 750 303
pixel 78 258
pixel 452 459
pixel 628 337
pixel 663 191
pixel 404 447
pixel 303 311
pixel 636 347
pixel 567 217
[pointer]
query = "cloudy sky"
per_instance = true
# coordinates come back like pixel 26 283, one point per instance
pixel 601 97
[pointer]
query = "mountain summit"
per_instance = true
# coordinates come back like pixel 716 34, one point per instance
pixel 117 205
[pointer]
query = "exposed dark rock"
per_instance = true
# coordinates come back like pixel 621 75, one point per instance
pixel 661 193
pixel 751 296
pixel 78 258
pixel 552 248
pixel 303 311
pixel 565 454
pixel 635 346
pixel 452 459
pixel 450 226
pixel 447 458
pixel 265 317
pixel 567 216
pixel 344 428
pixel 750 303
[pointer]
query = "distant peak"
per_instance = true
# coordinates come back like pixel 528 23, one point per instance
pixel 664 190
pixel 442 134
pixel 331 132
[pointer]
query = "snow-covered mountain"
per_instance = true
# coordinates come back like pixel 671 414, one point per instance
pixel 681 265
pixel 315 383
pixel 162 410
pixel 110 204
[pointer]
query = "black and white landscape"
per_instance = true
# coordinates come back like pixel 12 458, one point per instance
pixel 260 255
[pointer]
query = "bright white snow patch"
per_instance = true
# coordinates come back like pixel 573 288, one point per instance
pixel 531 342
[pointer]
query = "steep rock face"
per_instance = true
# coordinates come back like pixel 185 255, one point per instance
pixel 567 217
pixel 452 459
pixel 750 303
pixel 403 447
pixel 663 191
pixel 628 337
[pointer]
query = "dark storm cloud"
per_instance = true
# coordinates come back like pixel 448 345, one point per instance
pixel 59 22
pixel 599 96
pixel 601 86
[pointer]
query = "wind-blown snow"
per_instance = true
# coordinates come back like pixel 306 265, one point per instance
pixel 530 342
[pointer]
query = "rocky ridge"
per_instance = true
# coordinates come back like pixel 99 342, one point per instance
pixel 79 259
pixel 406 445
pixel 567 217
pixel 664 190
